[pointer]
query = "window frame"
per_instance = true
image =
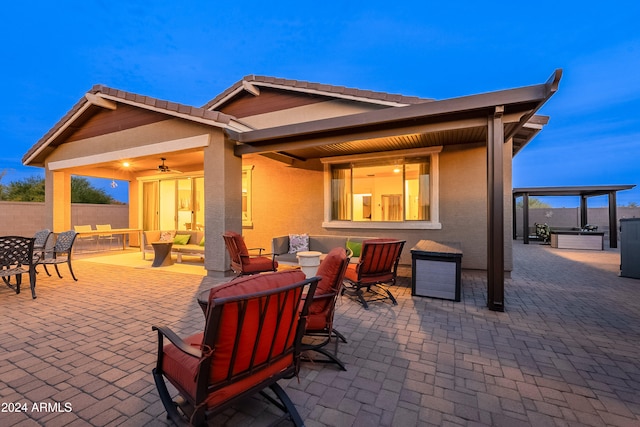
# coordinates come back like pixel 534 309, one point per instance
pixel 434 184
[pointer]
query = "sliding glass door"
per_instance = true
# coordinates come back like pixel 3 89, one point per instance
pixel 173 204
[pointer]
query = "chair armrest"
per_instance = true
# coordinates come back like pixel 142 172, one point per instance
pixel 256 249
pixel 176 340
pixel 317 297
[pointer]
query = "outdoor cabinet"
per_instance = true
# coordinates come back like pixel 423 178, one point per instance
pixel 436 270
pixel 630 247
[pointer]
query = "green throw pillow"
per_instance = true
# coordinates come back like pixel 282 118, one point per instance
pixel 202 242
pixel 355 247
pixel 181 239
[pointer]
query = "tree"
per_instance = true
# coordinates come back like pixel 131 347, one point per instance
pixel 83 192
pixel 32 190
pixel 27 190
pixel 533 204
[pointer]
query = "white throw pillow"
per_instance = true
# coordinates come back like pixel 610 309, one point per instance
pixel 167 236
pixel 298 243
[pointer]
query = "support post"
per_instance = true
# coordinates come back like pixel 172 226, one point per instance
pixel 613 220
pixel 584 220
pixel 525 217
pixel 495 211
pixel 223 201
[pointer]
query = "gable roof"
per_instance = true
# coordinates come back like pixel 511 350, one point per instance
pixel 102 97
pixel 252 84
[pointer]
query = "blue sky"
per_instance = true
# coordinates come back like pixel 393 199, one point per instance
pixel 189 51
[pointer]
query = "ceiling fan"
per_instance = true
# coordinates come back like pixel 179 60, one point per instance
pixel 162 168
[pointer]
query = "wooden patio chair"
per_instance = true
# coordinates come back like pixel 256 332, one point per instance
pixel 320 331
pixel 378 266
pixel 16 259
pixel 251 339
pixel 242 263
pixel 61 253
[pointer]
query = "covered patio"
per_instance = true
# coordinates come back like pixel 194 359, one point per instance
pixel 564 352
pixel 584 192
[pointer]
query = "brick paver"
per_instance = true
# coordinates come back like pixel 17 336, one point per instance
pixel 565 351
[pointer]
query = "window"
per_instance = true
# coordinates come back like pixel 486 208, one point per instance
pixel 393 190
pixel 247 220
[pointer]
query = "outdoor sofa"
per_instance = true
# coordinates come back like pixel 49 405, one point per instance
pixel 182 245
pixel 285 252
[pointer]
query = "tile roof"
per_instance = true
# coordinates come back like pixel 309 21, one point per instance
pixel 328 90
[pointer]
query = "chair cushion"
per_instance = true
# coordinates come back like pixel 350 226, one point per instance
pixel 321 309
pixel 270 330
pixel 242 247
pixel 258 264
pixel 252 284
pixel 330 267
pixel 181 370
pixel 352 275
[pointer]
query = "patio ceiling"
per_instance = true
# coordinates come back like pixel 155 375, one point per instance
pixel 584 190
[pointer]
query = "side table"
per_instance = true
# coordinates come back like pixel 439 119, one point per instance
pixel 309 262
pixel 162 254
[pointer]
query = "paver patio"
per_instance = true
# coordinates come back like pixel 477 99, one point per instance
pixel 565 352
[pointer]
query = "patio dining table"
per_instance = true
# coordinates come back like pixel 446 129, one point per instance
pixel 123 231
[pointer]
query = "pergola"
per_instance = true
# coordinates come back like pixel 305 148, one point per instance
pixel 584 192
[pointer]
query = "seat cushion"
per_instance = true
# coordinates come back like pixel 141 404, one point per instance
pixel 352 275
pixel 258 264
pixel 181 369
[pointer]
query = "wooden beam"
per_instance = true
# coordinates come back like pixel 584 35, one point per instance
pixel 100 101
pixel 252 89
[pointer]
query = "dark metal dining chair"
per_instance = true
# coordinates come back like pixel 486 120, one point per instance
pixel 16 259
pixel 61 253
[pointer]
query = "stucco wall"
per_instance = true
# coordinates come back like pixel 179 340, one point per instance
pixel 25 218
pixel 290 200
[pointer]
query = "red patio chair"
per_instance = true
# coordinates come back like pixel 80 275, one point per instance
pixel 251 339
pixel 378 266
pixel 322 308
pixel 241 262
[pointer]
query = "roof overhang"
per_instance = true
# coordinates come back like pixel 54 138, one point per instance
pixel 446 122
pixel 101 97
pixel 583 191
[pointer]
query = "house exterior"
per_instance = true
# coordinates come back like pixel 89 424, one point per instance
pixel 272 157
